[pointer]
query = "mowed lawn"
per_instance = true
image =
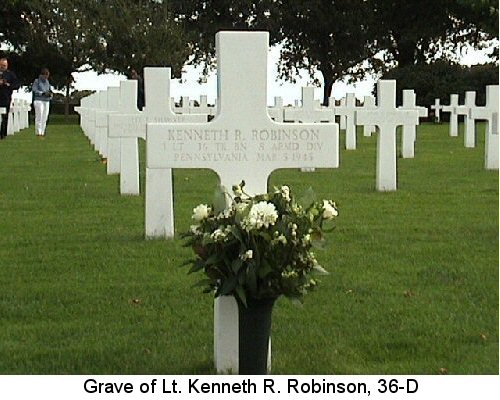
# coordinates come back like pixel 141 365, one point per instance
pixel 412 289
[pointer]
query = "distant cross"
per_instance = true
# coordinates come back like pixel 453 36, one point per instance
pixel 184 106
pixel 387 117
pixel 203 107
pixel 489 113
pixel 124 126
pixel 311 110
pixel 469 123
pixel 437 109
pixel 369 104
pixel 409 135
pixel 348 111
pixel 343 119
pixel 452 109
pixel 130 123
pixel 113 144
pixel 276 112
pixel 94 106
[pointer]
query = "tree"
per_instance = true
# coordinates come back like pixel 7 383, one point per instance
pixel 345 37
pixel 68 36
pixel 420 31
pixel 141 33
pixel 314 34
pixel 333 38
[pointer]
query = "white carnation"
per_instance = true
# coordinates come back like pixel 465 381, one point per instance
pixel 262 214
pixel 329 210
pixel 200 212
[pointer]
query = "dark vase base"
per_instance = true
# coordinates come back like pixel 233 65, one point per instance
pixel 254 332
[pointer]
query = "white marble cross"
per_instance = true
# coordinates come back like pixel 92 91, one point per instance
pixel 242 137
pixel 125 126
pixel 311 110
pixel 387 117
pixel 437 109
pixel 409 135
pixel 489 113
pixel 343 119
pixel 240 143
pixel 130 124
pixel 184 107
pixel 91 114
pixel 348 112
pixel 452 109
pixel 113 143
pixel 369 104
pixel 276 112
pixel 469 123
pixel 203 107
pixel 101 125
pixel 84 110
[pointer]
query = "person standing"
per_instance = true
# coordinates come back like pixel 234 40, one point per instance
pixel 8 83
pixel 41 101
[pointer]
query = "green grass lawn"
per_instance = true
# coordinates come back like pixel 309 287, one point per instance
pixel 412 289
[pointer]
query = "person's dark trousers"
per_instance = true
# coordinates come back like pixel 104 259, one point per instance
pixel 5 118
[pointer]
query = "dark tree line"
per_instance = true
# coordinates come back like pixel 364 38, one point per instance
pixel 338 38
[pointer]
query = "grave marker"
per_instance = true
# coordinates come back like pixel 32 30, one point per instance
pixel 452 109
pixel 409 135
pixel 348 112
pixel 437 108
pixel 113 143
pixel 387 117
pixel 130 124
pixel 276 112
pixel 369 104
pixel 469 123
pixel 241 142
pixel 311 110
pixel 489 113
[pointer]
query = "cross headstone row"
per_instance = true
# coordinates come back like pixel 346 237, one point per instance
pixel 18 115
pixel 243 141
pixel 472 113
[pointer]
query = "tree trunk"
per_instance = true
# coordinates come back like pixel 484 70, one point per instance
pixel 69 81
pixel 328 80
pixel 406 54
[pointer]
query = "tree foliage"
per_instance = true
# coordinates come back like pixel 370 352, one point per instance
pixel 345 37
pixel 68 36
pixel 440 79
pixel 420 31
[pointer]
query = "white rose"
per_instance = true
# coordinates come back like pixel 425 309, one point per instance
pixel 329 210
pixel 200 212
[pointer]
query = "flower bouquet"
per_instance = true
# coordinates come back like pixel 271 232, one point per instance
pixel 259 247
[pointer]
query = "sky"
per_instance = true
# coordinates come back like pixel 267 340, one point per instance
pixel 188 84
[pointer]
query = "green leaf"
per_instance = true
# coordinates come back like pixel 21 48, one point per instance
pixel 212 259
pixel 203 283
pixel 251 279
pixel 236 265
pixel 265 269
pixel 241 295
pixel 197 266
pixel 228 285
